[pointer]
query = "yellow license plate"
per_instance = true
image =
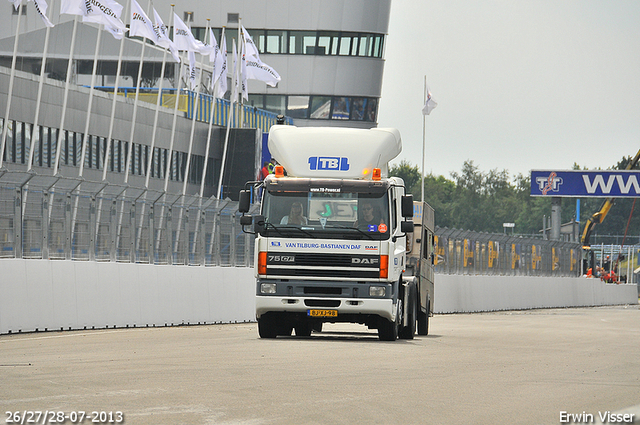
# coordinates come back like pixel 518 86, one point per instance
pixel 322 313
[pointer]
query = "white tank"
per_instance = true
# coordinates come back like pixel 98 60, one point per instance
pixel 333 152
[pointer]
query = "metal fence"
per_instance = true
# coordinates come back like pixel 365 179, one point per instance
pixel 69 219
pixel 47 217
pixel 479 253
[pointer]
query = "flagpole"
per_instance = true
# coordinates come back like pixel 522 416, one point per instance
pixel 89 105
pixel 173 126
pixel 211 115
pixel 226 137
pixel 424 126
pixel 5 127
pixel 155 119
pixel 193 120
pixel 154 131
pixel 135 107
pixel 240 74
pixel 40 86
pixel 113 107
pixel 66 93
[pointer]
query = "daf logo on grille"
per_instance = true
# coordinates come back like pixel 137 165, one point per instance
pixel 356 260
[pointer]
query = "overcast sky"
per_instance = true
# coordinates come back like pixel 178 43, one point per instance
pixel 520 85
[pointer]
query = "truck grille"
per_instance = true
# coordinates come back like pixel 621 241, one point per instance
pixel 295 264
pixel 322 272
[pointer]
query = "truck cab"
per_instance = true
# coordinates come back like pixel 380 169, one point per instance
pixel 331 235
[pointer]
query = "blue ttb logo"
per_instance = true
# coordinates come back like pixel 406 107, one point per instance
pixel 328 163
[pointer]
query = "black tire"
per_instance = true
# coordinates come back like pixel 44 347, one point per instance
pixel 303 329
pixel 423 320
pixel 388 330
pixel 267 328
pixel 407 332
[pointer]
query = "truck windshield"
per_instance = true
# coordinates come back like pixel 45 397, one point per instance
pixel 323 212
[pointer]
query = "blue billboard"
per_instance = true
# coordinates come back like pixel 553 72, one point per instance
pixel 584 184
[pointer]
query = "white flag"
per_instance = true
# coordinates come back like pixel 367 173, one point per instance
pixel 222 78
pixel 163 36
pixel 430 104
pixel 41 8
pixel 140 24
pixel 193 83
pixel 16 3
pixel 244 86
pixel 255 68
pixel 213 55
pixel 184 39
pixel 234 76
pixel 105 12
pixel 72 7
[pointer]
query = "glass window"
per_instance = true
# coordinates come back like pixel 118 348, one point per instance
pixel 340 108
pixel 115 156
pixel 345 46
pixel 357 109
pixel 365 46
pixel 26 144
pixel 46 147
pixel 335 43
pixel 54 147
pixel 377 46
pixel 354 45
pixel 274 103
pixel 136 159
pixel 275 42
pixel 302 42
pixel 324 44
pixel 37 145
pixel 370 110
pixel 352 213
pixel 320 107
pixel 258 39
pixel 256 100
pixel 298 106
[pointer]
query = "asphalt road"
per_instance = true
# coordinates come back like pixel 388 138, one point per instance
pixel 495 368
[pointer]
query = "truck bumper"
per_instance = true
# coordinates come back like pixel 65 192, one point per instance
pixel 384 308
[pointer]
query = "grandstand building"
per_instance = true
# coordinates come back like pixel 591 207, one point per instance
pixel 330 56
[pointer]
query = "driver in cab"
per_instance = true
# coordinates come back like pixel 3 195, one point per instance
pixel 368 216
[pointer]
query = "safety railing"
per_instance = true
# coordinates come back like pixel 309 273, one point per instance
pixel 48 217
pixel 479 253
pixel 209 108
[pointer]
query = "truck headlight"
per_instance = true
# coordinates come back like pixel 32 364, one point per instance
pixel 267 288
pixel 377 291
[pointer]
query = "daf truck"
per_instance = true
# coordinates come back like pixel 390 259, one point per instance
pixel 332 236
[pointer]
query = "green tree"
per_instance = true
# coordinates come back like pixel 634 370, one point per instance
pixel 409 174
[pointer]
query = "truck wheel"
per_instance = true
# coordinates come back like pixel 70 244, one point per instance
pixel 423 320
pixel 409 331
pixel 267 328
pixel 388 330
pixel 304 329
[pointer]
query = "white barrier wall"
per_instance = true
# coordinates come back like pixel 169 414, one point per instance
pixel 468 294
pixel 53 295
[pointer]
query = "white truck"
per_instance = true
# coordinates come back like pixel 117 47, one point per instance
pixel 332 236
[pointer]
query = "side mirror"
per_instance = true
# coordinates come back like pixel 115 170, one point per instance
pixel 246 220
pixel 245 201
pixel 258 223
pixel 407 206
pixel 406 226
